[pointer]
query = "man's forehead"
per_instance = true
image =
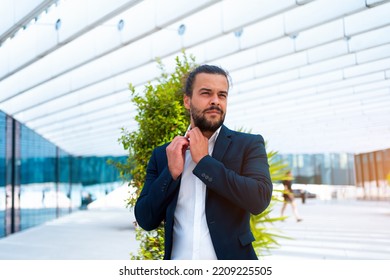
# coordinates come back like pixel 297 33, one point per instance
pixel 206 80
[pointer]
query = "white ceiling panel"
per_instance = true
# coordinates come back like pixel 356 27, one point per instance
pixel 311 76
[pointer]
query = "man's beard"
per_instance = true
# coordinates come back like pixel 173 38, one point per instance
pixel 204 124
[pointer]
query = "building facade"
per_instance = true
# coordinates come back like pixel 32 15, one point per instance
pixel 40 182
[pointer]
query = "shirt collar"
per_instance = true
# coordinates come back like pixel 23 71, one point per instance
pixel 213 137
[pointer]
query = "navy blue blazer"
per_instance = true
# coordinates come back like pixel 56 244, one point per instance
pixel 238 183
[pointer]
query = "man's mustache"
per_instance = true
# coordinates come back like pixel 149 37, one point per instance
pixel 216 108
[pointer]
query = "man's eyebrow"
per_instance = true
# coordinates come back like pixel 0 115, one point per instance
pixel 208 89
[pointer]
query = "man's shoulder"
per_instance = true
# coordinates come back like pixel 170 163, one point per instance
pixel 162 146
pixel 160 150
pixel 241 135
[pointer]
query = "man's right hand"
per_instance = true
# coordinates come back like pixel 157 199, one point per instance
pixel 176 155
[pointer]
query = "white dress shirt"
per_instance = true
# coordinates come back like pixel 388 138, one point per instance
pixel 191 236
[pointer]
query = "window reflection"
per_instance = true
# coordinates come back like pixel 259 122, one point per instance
pixel 326 169
pixel 40 182
pixel 2 174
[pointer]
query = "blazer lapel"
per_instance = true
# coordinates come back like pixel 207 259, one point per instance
pixel 222 143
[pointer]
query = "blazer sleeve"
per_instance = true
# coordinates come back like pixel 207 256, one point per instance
pixel 157 192
pixel 249 184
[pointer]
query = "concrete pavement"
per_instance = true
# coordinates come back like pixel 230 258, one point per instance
pixel 337 230
pixel 104 232
pixel 331 229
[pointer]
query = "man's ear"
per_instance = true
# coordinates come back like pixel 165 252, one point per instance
pixel 187 101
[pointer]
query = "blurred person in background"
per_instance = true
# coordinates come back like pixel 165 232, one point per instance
pixel 288 197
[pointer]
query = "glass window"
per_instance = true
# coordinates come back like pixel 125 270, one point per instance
pixel 38 194
pixel 2 151
pixel 2 173
pixel 49 181
pixel 321 168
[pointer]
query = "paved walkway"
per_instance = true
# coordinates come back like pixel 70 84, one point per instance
pixel 104 232
pixel 333 229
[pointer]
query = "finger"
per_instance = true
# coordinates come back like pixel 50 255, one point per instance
pixel 178 143
pixel 194 133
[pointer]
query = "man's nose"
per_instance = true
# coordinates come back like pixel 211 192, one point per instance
pixel 214 99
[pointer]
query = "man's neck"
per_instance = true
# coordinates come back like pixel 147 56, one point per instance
pixel 207 134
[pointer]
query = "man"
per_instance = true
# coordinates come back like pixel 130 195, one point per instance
pixel 204 185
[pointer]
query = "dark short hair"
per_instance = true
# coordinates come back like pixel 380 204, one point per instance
pixel 209 69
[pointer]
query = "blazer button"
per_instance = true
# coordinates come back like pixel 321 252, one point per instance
pixel 203 175
pixel 206 177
